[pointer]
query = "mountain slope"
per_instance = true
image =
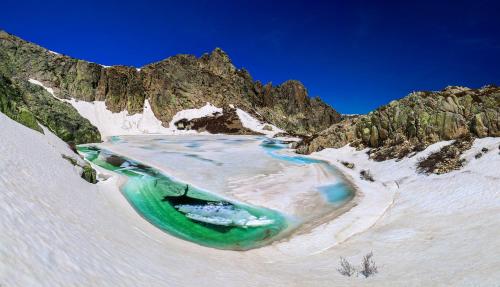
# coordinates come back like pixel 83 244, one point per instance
pixel 29 104
pixel 176 83
pixel 416 121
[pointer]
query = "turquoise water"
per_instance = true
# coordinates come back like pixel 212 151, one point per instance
pixel 206 219
pixel 336 193
pixel 211 221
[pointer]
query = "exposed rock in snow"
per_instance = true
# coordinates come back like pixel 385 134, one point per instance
pixel 227 122
pixel 122 123
pixel 255 125
pixel 189 114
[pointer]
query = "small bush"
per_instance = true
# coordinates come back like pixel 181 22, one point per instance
pixel 346 268
pixel 368 267
pixel 478 155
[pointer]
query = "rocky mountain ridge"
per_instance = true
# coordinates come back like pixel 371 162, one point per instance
pixel 414 122
pixel 176 83
pixel 185 81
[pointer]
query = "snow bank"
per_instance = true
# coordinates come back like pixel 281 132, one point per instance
pixel 110 124
pixel 433 228
pixel 121 123
pixel 255 125
pixel 58 230
pixel 189 114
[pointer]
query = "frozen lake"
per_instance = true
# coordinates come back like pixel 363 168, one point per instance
pixel 255 180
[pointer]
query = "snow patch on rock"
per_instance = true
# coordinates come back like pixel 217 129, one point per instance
pixel 255 125
pixel 189 114
pixel 112 124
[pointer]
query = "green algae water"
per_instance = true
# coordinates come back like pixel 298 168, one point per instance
pixel 204 218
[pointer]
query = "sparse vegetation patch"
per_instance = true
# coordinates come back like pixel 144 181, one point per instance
pixel 447 158
pixel 365 174
pixel 367 268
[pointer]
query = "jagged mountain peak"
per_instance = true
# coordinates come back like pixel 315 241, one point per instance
pixel 176 83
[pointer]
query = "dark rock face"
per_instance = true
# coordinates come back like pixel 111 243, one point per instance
pixel 13 105
pixel 29 104
pixel 289 107
pixel 416 121
pixel 88 173
pixel 226 122
pixel 176 83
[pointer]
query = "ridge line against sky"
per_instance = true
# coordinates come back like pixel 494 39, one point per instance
pixel 355 55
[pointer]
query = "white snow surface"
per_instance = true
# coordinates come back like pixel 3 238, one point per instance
pixel 111 124
pixel 189 114
pixel 235 167
pixel 255 125
pixel 121 123
pixel 58 230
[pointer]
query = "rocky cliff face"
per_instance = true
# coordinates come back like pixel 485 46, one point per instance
pixel 414 122
pixel 177 83
pixel 29 104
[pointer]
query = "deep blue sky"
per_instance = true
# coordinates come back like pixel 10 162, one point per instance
pixel 356 55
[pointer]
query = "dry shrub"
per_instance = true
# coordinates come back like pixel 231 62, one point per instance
pixel 346 268
pixel 366 175
pixel 368 267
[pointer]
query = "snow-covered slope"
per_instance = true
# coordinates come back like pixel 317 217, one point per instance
pixel 441 230
pixel 121 123
pixel 255 125
pixel 110 124
pixel 58 230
